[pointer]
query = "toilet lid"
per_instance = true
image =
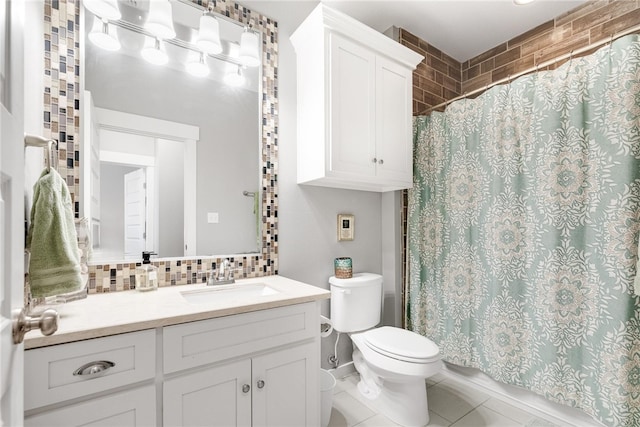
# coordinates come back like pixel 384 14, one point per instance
pixel 401 344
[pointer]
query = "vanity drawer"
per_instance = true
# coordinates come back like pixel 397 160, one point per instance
pixel 207 341
pixel 49 371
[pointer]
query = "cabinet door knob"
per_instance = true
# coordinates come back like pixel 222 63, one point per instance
pixel 380 161
pixel 93 368
pixel 374 160
pixel 246 388
pixel 260 384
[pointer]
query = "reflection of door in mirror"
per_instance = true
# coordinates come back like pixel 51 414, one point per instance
pixel 141 184
pixel 135 212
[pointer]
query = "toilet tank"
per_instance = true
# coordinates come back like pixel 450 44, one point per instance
pixel 356 303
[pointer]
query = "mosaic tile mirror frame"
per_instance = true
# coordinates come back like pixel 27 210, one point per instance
pixel 62 122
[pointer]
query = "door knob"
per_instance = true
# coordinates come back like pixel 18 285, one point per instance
pixel 246 388
pixel 47 322
pixel 260 384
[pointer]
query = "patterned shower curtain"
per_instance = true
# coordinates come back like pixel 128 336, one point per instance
pixel 523 231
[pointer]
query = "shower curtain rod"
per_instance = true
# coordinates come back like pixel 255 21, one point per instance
pixel 536 67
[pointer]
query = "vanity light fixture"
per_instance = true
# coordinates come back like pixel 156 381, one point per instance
pixel 154 53
pixel 198 68
pixel 234 78
pixel 105 9
pixel 208 39
pixel 101 37
pixel 159 22
pixel 249 55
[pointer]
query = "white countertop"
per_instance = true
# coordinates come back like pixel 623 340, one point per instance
pixel 114 313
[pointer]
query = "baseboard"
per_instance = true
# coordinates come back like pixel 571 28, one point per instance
pixel 520 397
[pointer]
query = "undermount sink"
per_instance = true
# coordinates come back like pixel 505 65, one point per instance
pixel 228 293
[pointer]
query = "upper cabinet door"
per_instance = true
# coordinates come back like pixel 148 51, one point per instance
pixel 352 108
pixel 393 121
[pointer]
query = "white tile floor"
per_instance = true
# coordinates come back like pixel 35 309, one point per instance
pixel 451 404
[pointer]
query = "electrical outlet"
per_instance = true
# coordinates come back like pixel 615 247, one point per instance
pixel 212 217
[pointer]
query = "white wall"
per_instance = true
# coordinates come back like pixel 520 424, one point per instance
pixel 307 242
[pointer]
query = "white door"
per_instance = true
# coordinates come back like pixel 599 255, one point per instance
pixel 134 213
pixel 216 397
pixel 393 121
pixel 352 82
pixel 91 175
pixel 285 387
pixel 11 208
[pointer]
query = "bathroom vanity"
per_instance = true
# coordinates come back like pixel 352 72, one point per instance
pixel 246 354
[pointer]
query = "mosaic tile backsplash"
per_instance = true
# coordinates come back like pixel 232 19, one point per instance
pixel 61 122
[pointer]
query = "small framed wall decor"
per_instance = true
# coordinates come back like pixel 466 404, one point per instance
pixel 346 227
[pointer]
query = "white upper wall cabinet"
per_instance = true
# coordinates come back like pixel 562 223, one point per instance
pixel 354 104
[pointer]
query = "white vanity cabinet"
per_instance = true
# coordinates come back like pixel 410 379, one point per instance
pixel 117 372
pixel 253 369
pixel 223 367
pixel 354 104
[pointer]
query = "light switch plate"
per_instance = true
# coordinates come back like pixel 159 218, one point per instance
pixel 212 217
pixel 346 227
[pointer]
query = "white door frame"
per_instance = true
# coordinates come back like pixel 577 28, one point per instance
pixel 12 207
pixel 162 129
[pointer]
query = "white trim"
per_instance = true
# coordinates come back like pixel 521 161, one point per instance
pixel 147 126
pixel 158 129
pixel 324 17
pixel 189 198
pixel 519 397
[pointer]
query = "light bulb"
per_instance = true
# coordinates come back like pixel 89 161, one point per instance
pixel 105 9
pixel 249 55
pixel 100 36
pixel 159 22
pixel 234 78
pixel 154 53
pixel 208 39
pixel 198 68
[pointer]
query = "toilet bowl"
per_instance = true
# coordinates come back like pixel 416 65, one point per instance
pixel 393 363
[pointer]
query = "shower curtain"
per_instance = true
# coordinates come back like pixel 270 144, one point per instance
pixel 523 229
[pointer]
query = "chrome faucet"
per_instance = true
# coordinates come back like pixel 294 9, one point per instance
pixel 224 276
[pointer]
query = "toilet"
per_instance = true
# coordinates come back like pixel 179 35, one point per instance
pixel 393 363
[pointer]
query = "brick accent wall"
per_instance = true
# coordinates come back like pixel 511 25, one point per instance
pixel 589 23
pixel 439 77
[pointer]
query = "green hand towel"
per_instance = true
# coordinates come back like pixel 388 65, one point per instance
pixel 52 239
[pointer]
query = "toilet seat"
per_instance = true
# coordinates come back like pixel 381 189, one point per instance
pixel 401 344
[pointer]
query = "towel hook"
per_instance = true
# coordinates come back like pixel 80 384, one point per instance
pixel 39 141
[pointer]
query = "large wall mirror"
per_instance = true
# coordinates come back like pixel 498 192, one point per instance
pixel 205 126
pixel 174 161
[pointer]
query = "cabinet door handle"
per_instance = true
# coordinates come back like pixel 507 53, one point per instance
pixel 246 388
pixel 93 368
pixel 380 161
pixel 260 384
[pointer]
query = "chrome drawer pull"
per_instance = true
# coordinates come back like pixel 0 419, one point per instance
pixel 93 368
